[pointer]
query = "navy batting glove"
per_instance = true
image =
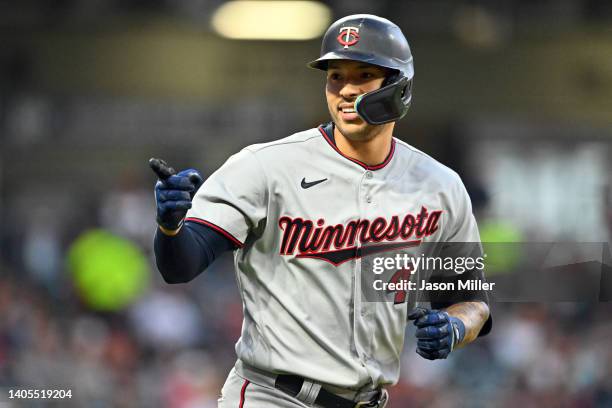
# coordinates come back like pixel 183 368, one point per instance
pixel 437 333
pixel 173 197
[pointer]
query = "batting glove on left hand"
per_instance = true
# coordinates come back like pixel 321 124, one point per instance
pixel 437 332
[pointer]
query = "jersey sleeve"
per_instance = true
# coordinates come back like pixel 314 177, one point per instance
pixel 462 241
pixel 233 200
pixel 460 238
pixel 460 246
pixel 463 227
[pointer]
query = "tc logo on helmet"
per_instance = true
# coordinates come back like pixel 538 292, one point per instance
pixel 348 36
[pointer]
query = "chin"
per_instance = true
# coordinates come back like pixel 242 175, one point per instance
pixel 355 131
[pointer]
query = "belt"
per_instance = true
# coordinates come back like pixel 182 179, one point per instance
pixel 293 385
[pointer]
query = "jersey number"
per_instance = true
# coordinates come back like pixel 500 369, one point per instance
pixel 403 275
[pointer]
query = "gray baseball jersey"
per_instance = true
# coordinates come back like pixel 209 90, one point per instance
pixel 302 216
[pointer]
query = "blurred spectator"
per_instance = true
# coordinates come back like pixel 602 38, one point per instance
pixel 129 210
pixel 165 320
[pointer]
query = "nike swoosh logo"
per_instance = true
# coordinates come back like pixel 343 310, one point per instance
pixel 307 184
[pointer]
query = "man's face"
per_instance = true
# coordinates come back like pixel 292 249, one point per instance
pixel 346 80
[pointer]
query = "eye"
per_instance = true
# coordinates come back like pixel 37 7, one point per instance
pixel 367 75
pixel 334 76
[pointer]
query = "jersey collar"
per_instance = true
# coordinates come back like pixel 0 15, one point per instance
pixel 327 130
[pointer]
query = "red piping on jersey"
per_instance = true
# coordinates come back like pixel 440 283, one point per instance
pixel 242 391
pixel 362 164
pixel 218 229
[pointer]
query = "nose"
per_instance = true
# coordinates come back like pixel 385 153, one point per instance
pixel 350 90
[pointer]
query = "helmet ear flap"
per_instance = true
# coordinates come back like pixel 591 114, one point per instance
pixel 395 77
pixel 387 104
pixel 407 92
pixel 391 78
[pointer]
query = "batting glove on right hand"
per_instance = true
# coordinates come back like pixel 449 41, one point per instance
pixel 437 332
pixel 173 194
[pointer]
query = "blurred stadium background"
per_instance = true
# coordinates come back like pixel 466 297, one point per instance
pixel 515 95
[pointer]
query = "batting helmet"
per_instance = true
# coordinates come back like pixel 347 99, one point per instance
pixel 377 41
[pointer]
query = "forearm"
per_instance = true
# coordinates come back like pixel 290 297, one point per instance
pixel 177 256
pixel 473 315
pixel 183 256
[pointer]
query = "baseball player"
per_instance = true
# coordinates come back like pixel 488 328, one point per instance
pixel 301 213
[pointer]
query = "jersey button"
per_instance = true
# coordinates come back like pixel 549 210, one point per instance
pixel 369 174
pixel 369 199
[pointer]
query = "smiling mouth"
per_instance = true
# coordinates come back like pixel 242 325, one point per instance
pixel 347 109
pixel 348 113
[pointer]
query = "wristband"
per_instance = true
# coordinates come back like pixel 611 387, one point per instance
pixel 169 232
pixel 458 330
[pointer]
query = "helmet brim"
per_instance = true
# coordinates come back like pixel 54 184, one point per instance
pixel 322 63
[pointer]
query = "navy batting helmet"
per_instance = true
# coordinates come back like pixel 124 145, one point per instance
pixel 377 41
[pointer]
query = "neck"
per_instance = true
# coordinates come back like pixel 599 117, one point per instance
pixel 372 150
